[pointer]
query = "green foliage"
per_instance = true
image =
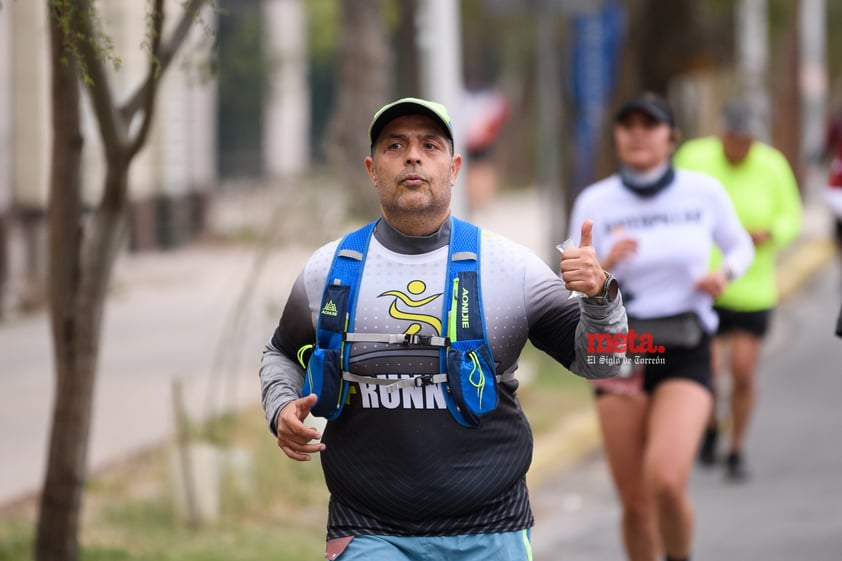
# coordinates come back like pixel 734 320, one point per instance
pixel 323 30
pixel 16 540
pixel 68 17
pixel 150 35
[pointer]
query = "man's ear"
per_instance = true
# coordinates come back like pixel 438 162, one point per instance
pixel 369 167
pixel 455 166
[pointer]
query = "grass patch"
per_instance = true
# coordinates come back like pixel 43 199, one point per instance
pixel 16 539
pixel 277 512
pixel 551 392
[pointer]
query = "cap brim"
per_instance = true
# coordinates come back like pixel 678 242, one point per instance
pixel 646 108
pixel 401 109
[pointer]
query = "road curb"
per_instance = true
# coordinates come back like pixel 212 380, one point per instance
pixel 577 435
pixel 797 266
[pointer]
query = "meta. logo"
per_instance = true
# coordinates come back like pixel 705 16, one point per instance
pixel 631 342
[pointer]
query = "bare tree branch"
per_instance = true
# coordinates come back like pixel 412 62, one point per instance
pixel 164 55
pixel 150 84
pixel 112 127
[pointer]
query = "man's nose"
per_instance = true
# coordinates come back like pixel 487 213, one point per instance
pixel 413 153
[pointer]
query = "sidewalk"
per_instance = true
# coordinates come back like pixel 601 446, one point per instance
pixel 200 315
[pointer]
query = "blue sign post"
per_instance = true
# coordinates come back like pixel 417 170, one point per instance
pixel 596 40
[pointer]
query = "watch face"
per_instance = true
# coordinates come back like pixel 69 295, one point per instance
pixel 612 287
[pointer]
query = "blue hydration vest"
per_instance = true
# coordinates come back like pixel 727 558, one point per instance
pixel 467 369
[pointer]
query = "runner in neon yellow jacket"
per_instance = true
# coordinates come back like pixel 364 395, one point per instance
pixel 765 194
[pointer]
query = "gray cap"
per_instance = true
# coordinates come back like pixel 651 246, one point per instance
pixel 741 117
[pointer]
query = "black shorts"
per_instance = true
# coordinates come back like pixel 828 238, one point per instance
pixel 756 323
pixel 693 363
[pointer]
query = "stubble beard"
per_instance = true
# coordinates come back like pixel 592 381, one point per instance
pixel 416 214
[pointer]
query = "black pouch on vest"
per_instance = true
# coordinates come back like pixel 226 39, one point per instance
pixel 682 330
pixel 324 369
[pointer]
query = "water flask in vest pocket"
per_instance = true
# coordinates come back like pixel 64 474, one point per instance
pixel 324 378
pixel 471 379
pixel 470 364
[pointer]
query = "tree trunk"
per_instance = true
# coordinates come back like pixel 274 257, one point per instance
pixel 407 63
pixel 671 41
pixel 76 341
pixel 83 252
pixel 60 501
pixel 362 88
pixel 785 133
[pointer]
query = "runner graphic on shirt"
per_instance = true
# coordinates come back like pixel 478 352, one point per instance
pixel 415 288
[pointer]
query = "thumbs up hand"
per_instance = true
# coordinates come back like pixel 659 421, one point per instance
pixel 580 268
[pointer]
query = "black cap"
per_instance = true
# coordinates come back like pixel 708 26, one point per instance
pixel 649 103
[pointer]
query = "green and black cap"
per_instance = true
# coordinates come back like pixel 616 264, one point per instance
pixel 409 106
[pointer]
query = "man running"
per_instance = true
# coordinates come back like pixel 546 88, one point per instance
pixel 419 462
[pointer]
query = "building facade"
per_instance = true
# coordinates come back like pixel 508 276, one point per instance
pixel 173 179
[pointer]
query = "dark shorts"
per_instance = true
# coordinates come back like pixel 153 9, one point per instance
pixel 692 363
pixel 682 363
pixel 756 323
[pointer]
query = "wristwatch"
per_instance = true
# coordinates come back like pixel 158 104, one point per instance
pixel 610 289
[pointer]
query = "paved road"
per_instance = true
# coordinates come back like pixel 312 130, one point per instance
pixel 792 507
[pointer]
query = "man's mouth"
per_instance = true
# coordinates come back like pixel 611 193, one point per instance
pixel 413 179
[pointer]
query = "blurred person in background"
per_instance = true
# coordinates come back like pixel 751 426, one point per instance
pixel 832 152
pixel 653 228
pixel 765 193
pixel 839 323
pixel 485 112
pixel 411 475
pixel 833 189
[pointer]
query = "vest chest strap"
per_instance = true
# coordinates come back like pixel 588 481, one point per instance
pixel 391 385
pixel 398 339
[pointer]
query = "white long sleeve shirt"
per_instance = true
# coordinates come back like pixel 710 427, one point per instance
pixel 675 231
